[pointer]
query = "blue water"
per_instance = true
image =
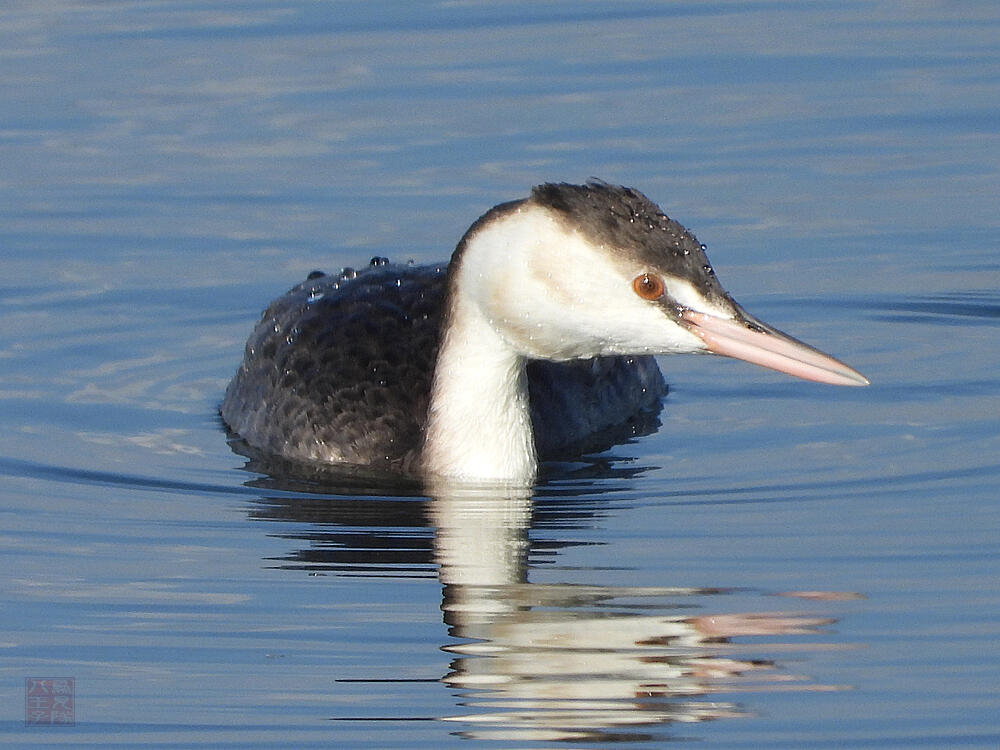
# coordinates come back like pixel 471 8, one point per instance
pixel 781 565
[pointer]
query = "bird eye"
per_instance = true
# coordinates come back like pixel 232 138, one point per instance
pixel 648 286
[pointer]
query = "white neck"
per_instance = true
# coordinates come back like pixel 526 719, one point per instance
pixel 478 423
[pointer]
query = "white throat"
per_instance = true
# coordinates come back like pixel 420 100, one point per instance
pixel 478 422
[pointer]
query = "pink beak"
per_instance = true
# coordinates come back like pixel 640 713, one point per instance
pixel 756 342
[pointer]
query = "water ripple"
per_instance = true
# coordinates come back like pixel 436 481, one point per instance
pixel 956 308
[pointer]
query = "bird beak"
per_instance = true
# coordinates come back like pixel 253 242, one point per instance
pixel 753 341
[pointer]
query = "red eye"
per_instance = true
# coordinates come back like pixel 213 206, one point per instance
pixel 648 286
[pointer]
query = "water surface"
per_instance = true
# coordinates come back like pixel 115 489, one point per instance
pixel 780 565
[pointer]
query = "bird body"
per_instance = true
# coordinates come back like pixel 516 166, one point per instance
pixel 540 332
pixel 339 370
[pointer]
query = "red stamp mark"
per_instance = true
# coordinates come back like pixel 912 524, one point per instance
pixel 49 701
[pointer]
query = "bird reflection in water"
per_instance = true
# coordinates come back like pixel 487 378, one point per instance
pixel 544 662
pixel 552 662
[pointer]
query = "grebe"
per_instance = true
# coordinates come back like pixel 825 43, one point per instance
pixel 539 331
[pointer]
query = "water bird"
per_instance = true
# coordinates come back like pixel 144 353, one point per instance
pixel 541 330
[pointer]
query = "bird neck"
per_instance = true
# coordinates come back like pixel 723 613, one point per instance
pixel 478 422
